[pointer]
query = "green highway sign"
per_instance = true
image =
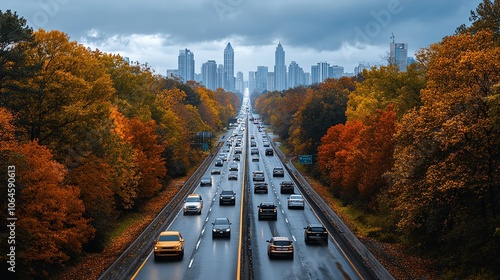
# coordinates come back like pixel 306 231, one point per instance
pixel 305 159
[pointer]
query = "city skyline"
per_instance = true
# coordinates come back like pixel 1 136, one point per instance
pixel 283 77
pixel 340 33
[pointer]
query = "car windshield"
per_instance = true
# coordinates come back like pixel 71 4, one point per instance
pixel 168 238
pixel 221 222
pixel 192 199
pixel 227 193
pixel 295 197
pixel 317 229
pixel 281 243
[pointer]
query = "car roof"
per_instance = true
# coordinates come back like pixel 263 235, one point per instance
pixel 266 203
pixel 281 238
pixel 296 195
pixel 316 225
pixel 169 232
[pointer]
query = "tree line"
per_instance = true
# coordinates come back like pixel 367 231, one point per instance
pixel 92 137
pixel 420 148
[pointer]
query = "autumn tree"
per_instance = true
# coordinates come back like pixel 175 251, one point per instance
pixel 66 97
pixel 383 86
pixel 324 107
pixel 355 156
pixel 15 38
pixel 486 16
pixel 446 172
pixel 150 165
pixel 51 227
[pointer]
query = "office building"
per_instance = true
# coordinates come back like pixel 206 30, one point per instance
pixel 361 66
pixel 240 83
pixel 261 79
pixel 398 55
pixel 279 69
pixel 186 65
pixel 296 75
pixel 252 83
pixel 209 74
pixel 229 68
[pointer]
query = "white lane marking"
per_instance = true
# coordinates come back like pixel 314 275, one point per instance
pixel 293 237
pixel 198 244
pixel 190 263
pixel 203 230
pixel 286 220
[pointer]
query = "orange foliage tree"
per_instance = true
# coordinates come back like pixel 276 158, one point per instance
pixel 51 227
pixel 355 156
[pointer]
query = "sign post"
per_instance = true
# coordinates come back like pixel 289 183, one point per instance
pixel 305 159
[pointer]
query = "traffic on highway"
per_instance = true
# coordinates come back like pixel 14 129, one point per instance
pixel 286 237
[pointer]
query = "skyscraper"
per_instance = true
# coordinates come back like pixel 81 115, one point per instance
pixel 209 74
pixel 220 76
pixel 186 65
pixel 229 68
pixel 279 69
pixel 296 75
pixel 398 55
pixel 261 79
pixel 240 83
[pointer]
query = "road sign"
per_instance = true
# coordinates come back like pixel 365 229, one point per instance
pixel 305 159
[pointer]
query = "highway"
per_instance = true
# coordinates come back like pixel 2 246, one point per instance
pixel 217 258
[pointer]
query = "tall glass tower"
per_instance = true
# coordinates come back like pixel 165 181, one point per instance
pixel 186 65
pixel 398 55
pixel 229 68
pixel 279 68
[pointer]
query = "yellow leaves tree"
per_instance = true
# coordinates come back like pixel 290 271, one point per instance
pixel 447 156
pixel 386 85
pixel 65 98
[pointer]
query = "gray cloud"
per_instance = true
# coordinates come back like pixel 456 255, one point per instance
pixel 318 25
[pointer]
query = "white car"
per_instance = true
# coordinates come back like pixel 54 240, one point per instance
pixel 193 204
pixel 295 201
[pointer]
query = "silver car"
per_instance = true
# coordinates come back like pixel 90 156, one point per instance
pixel 296 201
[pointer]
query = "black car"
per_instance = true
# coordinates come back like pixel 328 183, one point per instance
pixel 260 187
pixel 227 197
pixel 269 152
pixel 315 233
pixel 219 162
pixel 287 187
pixel 206 181
pixel 267 210
pixel 221 227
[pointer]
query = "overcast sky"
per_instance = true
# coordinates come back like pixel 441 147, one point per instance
pixel 341 33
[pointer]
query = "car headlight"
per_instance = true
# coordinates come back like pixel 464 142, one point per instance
pixel 214 230
pixel 228 229
pixel 156 248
